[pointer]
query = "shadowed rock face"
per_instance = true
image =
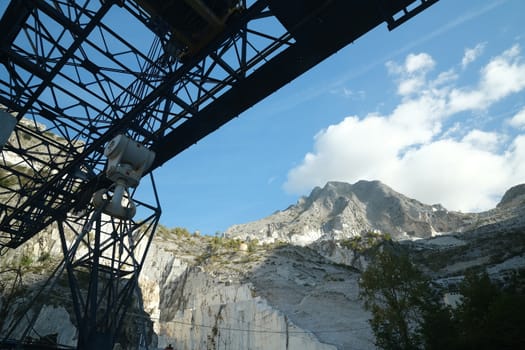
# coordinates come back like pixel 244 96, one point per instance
pixel 340 210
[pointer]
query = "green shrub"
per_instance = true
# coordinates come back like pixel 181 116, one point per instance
pixel 234 244
pixel 44 257
pixel 26 260
pixel 180 232
pixel 252 245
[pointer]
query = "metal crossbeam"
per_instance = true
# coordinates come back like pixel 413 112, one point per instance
pixel 165 73
pixel 103 257
pixel 87 103
pixel 71 69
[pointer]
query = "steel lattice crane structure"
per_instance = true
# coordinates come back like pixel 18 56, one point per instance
pixel 161 74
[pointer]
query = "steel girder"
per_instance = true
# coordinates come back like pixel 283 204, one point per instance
pixel 78 73
pixel 78 82
pixel 80 77
pixel 102 260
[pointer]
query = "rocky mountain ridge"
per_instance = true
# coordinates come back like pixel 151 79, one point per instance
pixel 341 210
pixel 514 196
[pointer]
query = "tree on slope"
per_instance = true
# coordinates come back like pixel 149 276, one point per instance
pixel 489 316
pixel 395 292
pixel 407 314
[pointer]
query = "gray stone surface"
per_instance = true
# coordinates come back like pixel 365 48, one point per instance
pixel 341 210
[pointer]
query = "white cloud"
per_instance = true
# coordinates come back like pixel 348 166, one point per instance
pixel 409 148
pixel 412 73
pixel 518 121
pixel 419 62
pixel 515 157
pixel 454 173
pixel 349 93
pixel 482 140
pixel 502 76
pixel 471 54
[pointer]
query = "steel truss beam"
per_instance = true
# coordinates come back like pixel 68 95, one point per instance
pixel 50 76
pixel 71 70
pixel 109 253
pixel 77 73
pixel 103 257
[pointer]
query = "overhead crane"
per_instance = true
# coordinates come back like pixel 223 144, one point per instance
pixel 97 94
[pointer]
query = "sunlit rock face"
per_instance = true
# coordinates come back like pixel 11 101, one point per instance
pixel 278 297
pixel 210 315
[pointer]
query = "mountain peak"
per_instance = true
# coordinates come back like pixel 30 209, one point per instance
pixel 365 191
pixel 360 188
pixel 341 210
pixel 335 195
pixel 361 184
pixel 513 196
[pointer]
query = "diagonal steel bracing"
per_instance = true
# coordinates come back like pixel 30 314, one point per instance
pixel 166 74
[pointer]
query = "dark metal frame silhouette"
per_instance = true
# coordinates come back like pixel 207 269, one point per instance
pixel 77 73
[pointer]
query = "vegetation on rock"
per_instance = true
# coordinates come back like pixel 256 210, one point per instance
pixel 407 312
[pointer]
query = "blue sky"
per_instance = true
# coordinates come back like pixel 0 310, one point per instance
pixel 435 109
